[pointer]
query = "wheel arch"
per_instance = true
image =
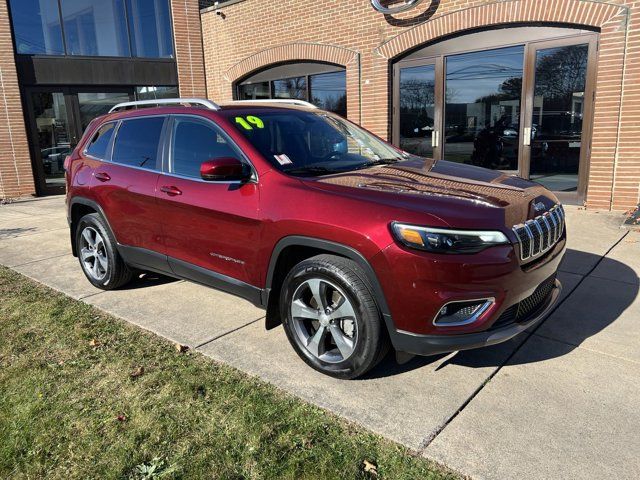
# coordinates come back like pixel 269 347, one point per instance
pixel 79 207
pixel 293 249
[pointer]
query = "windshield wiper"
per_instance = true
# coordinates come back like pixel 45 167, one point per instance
pixel 382 161
pixel 311 169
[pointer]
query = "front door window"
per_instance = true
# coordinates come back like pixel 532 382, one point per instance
pixel 558 109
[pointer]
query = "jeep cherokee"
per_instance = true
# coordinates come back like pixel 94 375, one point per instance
pixel 350 243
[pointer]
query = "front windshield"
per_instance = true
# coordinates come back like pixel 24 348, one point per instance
pixel 311 143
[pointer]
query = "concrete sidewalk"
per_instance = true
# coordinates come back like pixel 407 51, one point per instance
pixel 560 402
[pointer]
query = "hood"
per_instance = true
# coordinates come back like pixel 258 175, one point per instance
pixel 440 182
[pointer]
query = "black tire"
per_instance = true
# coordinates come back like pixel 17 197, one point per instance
pixel 116 273
pixel 369 342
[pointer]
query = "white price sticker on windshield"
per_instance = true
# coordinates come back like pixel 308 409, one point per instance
pixel 283 159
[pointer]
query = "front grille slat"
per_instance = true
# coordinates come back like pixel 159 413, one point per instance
pixel 540 234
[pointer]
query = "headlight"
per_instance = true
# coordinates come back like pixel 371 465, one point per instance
pixel 444 240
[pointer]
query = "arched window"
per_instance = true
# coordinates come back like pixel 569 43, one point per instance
pixel 322 84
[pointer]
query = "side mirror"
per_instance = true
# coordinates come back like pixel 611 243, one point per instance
pixel 224 169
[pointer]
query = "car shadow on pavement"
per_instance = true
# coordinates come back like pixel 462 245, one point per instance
pixel 148 279
pixel 602 306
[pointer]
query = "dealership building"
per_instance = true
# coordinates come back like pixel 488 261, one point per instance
pixel 546 89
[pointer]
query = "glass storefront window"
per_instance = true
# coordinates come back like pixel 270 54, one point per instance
pixel 482 107
pixel 36 27
pixel 320 84
pixel 290 88
pixel 94 28
pixel 150 28
pixel 329 92
pixel 93 104
pixel 152 93
pixel 254 91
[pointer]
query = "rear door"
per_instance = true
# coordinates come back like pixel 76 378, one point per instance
pixel 210 225
pixel 125 187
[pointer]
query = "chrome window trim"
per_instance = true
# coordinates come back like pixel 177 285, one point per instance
pixel 168 166
pixel 489 301
pixel 159 150
pixel 89 143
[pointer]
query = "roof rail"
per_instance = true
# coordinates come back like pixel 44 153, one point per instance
pixel 167 101
pixel 291 101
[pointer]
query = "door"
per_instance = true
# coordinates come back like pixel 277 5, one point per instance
pixel 557 126
pixel 417 116
pixel 52 137
pixel 210 225
pixel 125 186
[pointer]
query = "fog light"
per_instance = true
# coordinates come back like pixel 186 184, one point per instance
pixel 455 314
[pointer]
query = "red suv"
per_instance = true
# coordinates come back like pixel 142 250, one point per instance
pixel 352 244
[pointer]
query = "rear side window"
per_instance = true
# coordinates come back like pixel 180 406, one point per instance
pixel 136 143
pixel 194 142
pixel 100 142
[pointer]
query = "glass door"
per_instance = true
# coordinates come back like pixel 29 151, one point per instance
pixel 557 123
pixel 52 137
pixel 482 107
pixel 417 115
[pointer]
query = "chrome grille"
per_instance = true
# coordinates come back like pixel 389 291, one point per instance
pixel 540 234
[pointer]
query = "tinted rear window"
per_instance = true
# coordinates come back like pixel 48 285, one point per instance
pixel 100 141
pixel 137 141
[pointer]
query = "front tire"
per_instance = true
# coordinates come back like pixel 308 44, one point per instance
pixel 331 318
pixel 98 255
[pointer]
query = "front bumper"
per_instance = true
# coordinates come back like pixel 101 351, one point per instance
pixel 434 344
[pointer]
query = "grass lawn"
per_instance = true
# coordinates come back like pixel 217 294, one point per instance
pixel 84 395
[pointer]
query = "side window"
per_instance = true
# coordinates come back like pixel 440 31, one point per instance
pixel 194 142
pixel 137 141
pixel 100 142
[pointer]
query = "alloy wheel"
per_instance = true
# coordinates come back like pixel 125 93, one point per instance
pixel 93 253
pixel 324 320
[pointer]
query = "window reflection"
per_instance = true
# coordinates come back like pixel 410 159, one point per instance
pixel 150 28
pixel 557 116
pixel 36 27
pixel 325 90
pixel 93 104
pixel 417 109
pixel 255 91
pixel 290 88
pixel 139 28
pixel 95 28
pixel 329 92
pixel 482 109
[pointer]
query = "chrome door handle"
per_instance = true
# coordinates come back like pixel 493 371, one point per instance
pixel 434 138
pixel 171 190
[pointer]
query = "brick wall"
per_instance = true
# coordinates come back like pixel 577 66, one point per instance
pixel 188 47
pixel 254 33
pixel 16 178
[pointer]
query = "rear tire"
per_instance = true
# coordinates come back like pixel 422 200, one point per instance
pixel 331 318
pixel 99 258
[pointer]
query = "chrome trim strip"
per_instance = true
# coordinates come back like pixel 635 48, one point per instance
pixel 546 222
pixel 557 216
pixel 530 233
pixel 487 303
